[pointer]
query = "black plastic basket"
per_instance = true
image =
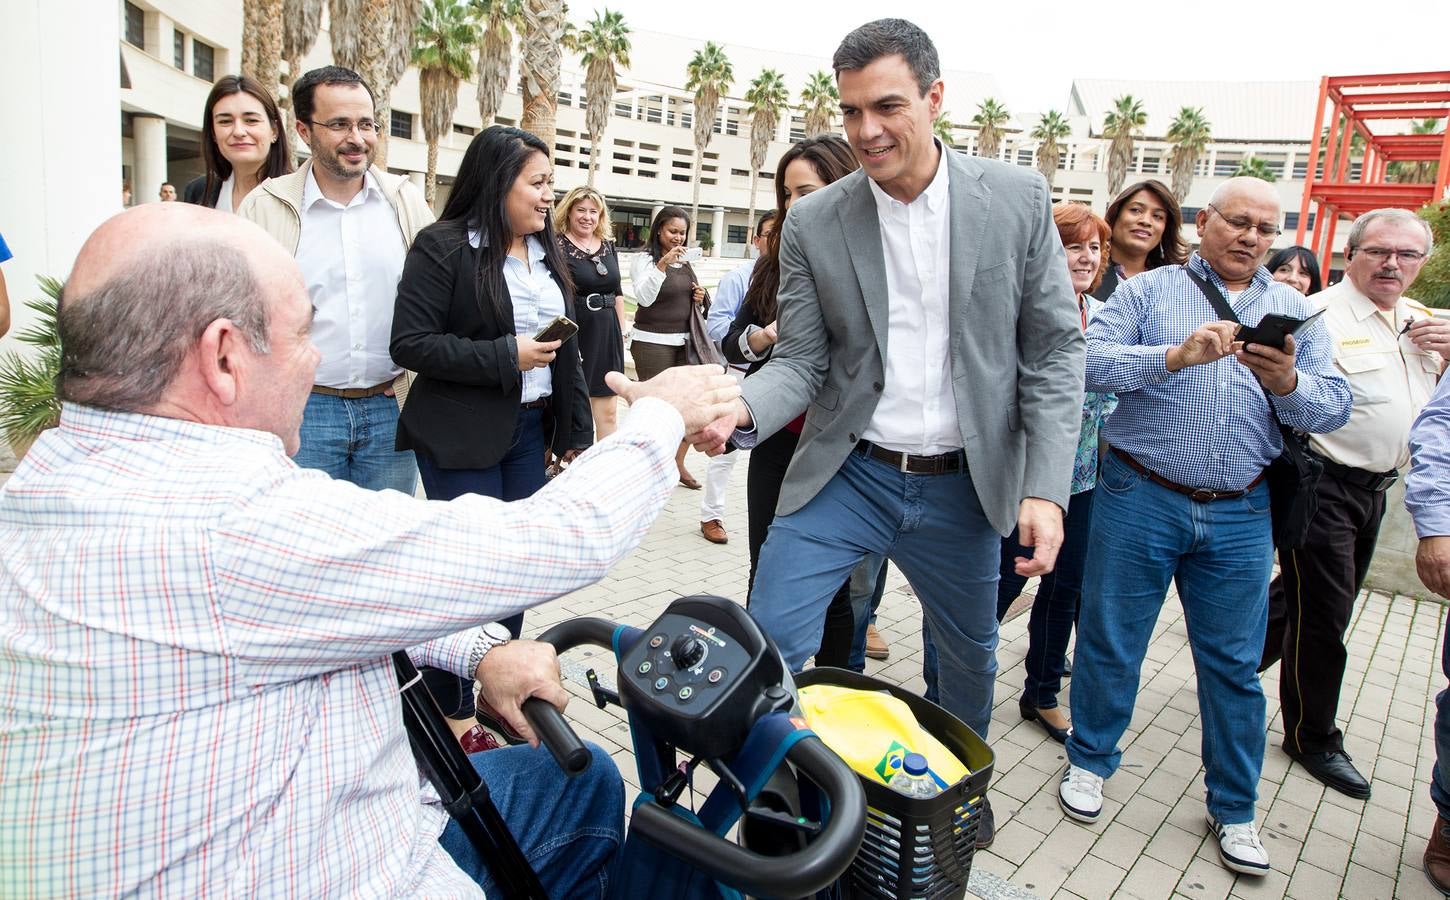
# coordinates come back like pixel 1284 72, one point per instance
pixel 916 847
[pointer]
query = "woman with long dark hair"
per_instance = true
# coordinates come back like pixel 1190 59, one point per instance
pixel 803 169
pixel 1146 222
pixel 1297 267
pixel 667 291
pixel 488 400
pixel 243 143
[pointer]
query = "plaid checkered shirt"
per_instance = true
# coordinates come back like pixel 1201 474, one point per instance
pixel 196 696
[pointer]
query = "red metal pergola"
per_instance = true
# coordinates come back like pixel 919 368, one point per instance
pixel 1357 105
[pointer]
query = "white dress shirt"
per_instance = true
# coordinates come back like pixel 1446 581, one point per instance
pixel 917 412
pixel 224 197
pixel 536 299
pixel 351 257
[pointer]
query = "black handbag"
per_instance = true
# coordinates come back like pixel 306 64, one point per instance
pixel 1293 476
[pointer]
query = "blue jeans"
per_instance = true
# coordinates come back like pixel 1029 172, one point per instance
pixel 1054 609
pixel 932 527
pixel 568 828
pixel 1144 536
pixel 1440 777
pixel 353 440
pixel 868 583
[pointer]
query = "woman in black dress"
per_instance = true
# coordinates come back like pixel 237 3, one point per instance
pixel 587 239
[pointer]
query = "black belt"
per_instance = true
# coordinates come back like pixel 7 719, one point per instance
pixel 605 301
pixel 1198 495
pixel 535 404
pixel 940 464
pixel 1371 481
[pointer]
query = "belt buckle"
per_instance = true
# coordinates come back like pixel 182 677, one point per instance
pixel 589 302
pixel 1203 495
pixel 905 463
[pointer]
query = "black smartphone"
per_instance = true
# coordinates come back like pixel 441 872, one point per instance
pixel 559 328
pixel 1273 328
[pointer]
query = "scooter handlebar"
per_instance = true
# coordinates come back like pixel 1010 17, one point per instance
pixel 554 732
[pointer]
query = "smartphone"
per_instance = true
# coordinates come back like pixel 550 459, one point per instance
pixel 693 254
pixel 559 328
pixel 1273 328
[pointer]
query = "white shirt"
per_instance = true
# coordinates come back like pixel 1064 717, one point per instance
pixel 917 412
pixel 536 299
pixel 1390 377
pixel 224 198
pixel 351 258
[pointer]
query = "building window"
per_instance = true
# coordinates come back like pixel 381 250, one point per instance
pixel 1024 157
pixel 401 125
pixel 702 232
pixel 1291 222
pixel 464 129
pixel 203 60
pixel 135 26
pixel 178 49
pixel 737 234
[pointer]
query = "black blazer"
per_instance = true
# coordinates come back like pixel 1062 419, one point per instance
pixel 462 408
pixel 744 318
pixel 195 192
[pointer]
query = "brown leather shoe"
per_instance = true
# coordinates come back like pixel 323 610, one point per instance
pixel 714 532
pixel 1437 856
pixel 876 646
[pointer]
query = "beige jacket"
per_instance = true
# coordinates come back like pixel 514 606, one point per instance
pixel 276 205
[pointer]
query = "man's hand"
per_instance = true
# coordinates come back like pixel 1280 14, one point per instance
pixel 711 439
pixel 1431 334
pixel 511 673
pixel 1210 342
pixel 1274 368
pixel 701 394
pixel 1039 526
pixel 1432 562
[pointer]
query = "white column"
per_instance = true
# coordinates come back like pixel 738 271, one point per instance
pixel 149 133
pixel 717 231
pixel 66 187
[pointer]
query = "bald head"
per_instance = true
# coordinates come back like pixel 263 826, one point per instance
pixel 1237 227
pixel 1247 189
pixel 146 284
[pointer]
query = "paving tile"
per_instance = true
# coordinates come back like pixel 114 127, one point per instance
pixel 1366 884
pixel 1174 846
pixel 1120 845
pixel 1094 879
pixel 1312 883
pixel 1205 880
pixel 1149 879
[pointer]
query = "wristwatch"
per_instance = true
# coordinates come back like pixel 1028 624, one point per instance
pixel 490 635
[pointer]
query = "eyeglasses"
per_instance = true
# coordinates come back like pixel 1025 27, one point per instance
pixel 1382 254
pixel 1242 224
pixel 343 126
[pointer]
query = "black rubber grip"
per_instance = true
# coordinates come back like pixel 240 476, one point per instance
pixel 548 723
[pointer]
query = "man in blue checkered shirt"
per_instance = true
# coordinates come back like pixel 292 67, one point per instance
pixel 1181 495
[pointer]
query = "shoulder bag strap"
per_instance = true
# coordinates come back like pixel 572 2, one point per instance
pixel 1225 312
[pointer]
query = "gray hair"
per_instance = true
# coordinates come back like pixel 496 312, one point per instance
pixel 124 342
pixel 1389 214
pixel 888 37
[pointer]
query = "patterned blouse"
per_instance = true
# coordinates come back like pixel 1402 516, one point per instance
pixel 1096 408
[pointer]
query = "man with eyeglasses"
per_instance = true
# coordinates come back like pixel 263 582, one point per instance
pixel 1391 350
pixel 349 225
pixel 1181 496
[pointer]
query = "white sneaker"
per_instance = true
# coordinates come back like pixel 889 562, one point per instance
pixel 1080 794
pixel 1239 847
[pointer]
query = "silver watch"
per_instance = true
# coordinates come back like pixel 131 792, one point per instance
pixel 490 635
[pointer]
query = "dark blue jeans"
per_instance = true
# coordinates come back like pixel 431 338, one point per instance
pixel 353 440
pixel 1054 610
pixel 1440 777
pixel 568 828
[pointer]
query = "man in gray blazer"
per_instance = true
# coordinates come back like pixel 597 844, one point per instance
pixel 928 327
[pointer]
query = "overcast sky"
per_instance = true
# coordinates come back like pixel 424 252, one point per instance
pixel 1035 49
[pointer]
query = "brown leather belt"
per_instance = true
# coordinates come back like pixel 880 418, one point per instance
pixel 535 404
pixel 940 464
pixel 1198 495
pixel 353 393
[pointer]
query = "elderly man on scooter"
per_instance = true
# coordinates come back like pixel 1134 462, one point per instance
pixel 196 696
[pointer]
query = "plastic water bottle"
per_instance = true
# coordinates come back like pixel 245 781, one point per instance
pixel 913 780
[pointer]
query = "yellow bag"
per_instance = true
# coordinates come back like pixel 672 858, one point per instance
pixel 873 731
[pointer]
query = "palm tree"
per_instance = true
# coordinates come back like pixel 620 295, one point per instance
pixel 1050 130
pixel 1122 122
pixel 1253 167
pixel 541 50
pixel 500 18
pixel 990 118
pixel 942 128
pixel 819 99
pixel 602 47
pixel 262 41
pixel 1189 133
pixel 1419 171
pixel 301 20
pixel 374 38
pixel 446 37
pixel 709 75
pixel 768 97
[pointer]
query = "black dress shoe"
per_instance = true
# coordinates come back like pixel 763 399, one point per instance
pixel 1067 667
pixel 1030 713
pixel 986 826
pixel 1335 770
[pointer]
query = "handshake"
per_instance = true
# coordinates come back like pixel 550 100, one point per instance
pixel 707 398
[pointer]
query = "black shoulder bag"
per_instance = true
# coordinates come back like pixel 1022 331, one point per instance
pixel 1294 476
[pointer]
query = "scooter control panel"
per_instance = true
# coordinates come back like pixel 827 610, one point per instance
pixel 700 674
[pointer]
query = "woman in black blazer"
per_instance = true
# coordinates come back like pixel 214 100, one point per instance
pixel 488 402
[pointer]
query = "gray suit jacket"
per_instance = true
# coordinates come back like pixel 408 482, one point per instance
pixel 1016 345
